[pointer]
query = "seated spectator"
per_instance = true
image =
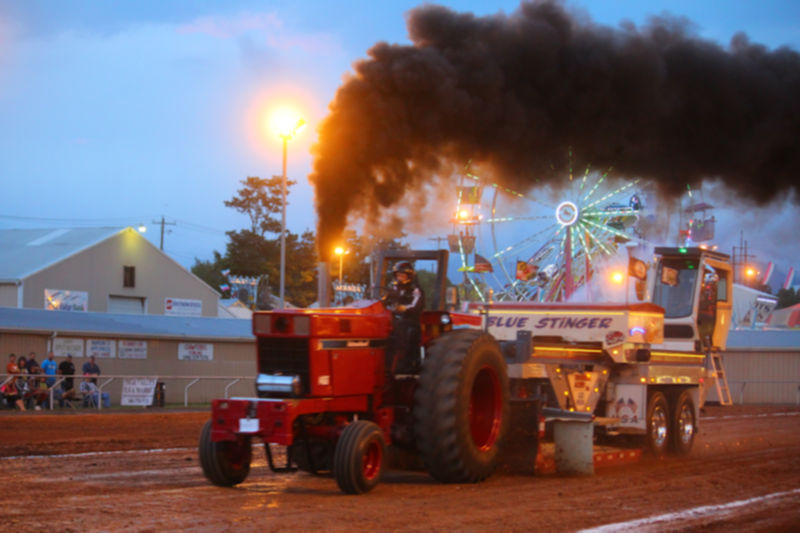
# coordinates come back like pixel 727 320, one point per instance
pixel 91 394
pixel 40 392
pixel 67 368
pixel 32 366
pixel 10 392
pixel 50 368
pixel 23 391
pixel 91 368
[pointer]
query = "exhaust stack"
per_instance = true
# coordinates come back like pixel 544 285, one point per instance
pixel 323 284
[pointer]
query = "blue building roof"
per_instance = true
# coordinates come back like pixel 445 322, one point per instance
pixel 119 325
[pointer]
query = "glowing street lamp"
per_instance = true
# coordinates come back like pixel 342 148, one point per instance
pixel 286 124
pixel 340 252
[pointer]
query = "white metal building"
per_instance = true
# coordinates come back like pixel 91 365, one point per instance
pixel 107 270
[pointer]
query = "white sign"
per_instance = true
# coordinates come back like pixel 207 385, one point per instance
pixel 60 300
pixel 132 350
pixel 63 346
pixel 183 307
pixel 138 391
pixel 101 348
pixel 195 351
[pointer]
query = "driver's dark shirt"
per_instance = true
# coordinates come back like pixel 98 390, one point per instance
pixel 408 295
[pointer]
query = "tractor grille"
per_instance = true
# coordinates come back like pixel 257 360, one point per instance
pixel 285 357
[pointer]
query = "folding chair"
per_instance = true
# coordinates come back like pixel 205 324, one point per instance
pixel 89 400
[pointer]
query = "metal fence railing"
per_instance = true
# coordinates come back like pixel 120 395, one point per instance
pixel 215 387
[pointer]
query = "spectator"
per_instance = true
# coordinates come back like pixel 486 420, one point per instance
pixel 91 393
pixel 50 367
pixel 67 368
pixel 11 367
pixel 39 392
pixel 91 368
pixel 22 381
pixel 10 391
pixel 32 365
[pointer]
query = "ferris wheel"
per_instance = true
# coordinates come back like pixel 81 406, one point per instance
pixel 543 245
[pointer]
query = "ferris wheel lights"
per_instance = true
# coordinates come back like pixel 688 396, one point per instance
pixel 567 213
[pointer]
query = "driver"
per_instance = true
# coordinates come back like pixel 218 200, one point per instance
pixel 405 300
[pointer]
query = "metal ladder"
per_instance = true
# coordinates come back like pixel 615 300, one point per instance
pixel 723 392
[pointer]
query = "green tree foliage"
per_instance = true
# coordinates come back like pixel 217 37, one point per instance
pixel 250 253
pixel 787 298
pixel 211 271
pixel 260 199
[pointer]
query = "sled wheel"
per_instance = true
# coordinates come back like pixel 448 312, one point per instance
pixel 657 438
pixel 358 457
pixel 684 426
pixel 461 407
pixel 224 463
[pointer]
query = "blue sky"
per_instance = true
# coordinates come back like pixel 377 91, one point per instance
pixel 116 113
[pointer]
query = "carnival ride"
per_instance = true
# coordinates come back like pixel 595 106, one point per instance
pixel 545 244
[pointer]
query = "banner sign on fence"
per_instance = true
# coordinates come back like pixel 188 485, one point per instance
pixel 138 391
pixel 195 351
pixel 101 348
pixel 132 349
pixel 65 345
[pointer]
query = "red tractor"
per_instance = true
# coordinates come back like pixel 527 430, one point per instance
pixel 323 391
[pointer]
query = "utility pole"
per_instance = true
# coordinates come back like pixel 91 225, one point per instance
pixel 163 223
pixel 438 241
pixel 741 260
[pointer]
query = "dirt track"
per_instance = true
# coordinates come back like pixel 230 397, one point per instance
pixel 139 472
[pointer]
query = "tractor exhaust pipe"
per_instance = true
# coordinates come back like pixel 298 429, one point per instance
pixel 323 284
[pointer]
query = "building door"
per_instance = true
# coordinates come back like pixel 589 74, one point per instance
pixel 129 305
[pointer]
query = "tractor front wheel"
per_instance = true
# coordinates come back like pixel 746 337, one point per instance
pixel 358 457
pixel 225 463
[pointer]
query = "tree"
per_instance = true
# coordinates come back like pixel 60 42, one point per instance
pixel 211 271
pixel 259 199
pixel 787 298
pixel 250 253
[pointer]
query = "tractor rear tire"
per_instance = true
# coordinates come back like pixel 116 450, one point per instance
pixel 461 407
pixel 225 463
pixel 358 458
pixel 683 425
pixel 658 424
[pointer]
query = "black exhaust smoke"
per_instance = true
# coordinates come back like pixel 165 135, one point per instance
pixel 518 93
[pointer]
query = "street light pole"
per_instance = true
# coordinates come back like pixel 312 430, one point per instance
pixel 283 221
pixel 287 126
